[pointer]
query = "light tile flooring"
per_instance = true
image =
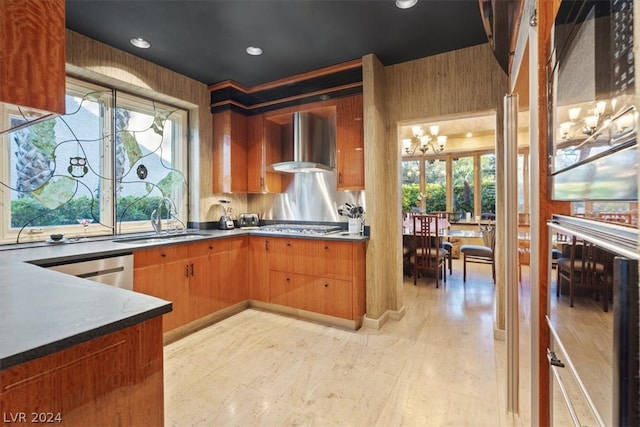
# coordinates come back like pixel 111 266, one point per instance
pixel 438 366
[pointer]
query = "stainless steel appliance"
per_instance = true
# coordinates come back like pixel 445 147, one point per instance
pixel 314 144
pixel 593 355
pixel 591 87
pixel 301 228
pixel 226 220
pixel 248 220
pixel 115 271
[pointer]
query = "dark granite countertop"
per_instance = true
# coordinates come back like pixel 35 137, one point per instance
pixel 43 311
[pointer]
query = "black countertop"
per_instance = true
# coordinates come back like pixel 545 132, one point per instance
pixel 44 311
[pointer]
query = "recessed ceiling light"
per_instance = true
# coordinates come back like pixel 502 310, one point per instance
pixel 255 51
pixel 140 42
pixel 405 4
pixel 469 134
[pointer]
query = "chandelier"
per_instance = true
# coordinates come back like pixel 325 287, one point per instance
pixel 596 118
pixel 424 143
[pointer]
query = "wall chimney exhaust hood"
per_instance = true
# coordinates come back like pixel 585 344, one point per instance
pixel 314 145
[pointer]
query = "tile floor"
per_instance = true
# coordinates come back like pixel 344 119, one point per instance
pixel 438 366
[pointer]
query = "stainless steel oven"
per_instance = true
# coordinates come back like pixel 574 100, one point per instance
pixel 593 353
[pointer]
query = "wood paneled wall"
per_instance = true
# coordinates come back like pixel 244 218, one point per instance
pixel 98 62
pixel 459 82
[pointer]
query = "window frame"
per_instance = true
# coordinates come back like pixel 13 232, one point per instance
pixel 107 197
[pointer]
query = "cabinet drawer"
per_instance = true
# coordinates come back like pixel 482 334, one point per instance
pixel 237 243
pixel 286 289
pixel 153 256
pixel 208 247
pixel 311 293
pixel 329 296
pixel 313 257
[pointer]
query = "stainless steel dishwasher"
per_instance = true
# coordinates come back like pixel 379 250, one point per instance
pixel 115 271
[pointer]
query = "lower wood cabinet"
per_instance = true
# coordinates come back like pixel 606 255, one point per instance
pixel 198 278
pixel 322 276
pixel 259 268
pixel 317 294
pixel 164 273
pixel 113 380
pixel 201 278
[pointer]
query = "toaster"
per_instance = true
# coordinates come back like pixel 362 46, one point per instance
pixel 248 220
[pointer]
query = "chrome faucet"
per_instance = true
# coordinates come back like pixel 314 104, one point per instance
pixel 156 215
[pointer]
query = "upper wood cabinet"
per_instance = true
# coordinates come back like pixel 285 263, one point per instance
pixel 32 56
pixel 229 152
pixel 264 149
pixel 350 143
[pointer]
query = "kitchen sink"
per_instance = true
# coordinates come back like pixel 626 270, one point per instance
pixel 161 238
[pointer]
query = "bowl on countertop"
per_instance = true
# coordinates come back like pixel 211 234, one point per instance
pixel 56 237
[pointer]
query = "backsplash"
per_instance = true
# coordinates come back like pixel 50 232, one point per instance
pixel 309 197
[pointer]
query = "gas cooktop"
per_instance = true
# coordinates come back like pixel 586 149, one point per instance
pixel 301 228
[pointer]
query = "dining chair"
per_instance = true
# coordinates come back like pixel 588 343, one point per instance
pixel 586 267
pixel 480 254
pixel 428 254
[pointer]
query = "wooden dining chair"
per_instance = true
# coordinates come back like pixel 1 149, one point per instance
pixel 586 267
pixel 428 255
pixel 480 254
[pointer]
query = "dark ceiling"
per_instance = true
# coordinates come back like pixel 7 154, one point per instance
pixel 206 39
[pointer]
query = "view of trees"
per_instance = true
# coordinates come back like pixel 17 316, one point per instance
pixel 435 188
pixel 28 211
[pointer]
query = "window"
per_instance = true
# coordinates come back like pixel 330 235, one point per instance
pixel 411 192
pixel 436 185
pixel 463 178
pixel 488 183
pixel 109 161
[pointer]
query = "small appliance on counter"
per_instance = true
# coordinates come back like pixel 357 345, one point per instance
pixel 226 220
pixel 248 220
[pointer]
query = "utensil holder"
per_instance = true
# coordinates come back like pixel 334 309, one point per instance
pixel 355 225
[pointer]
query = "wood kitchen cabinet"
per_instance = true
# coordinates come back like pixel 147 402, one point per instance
pixel 32 56
pixel 259 268
pixel 264 142
pixel 321 276
pixel 229 166
pixel 207 273
pixel 311 293
pixel 236 283
pixel 312 257
pixel 115 379
pixel 164 273
pixel 218 275
pixel 350 143
pixel 200 278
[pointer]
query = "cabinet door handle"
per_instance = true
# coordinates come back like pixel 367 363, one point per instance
pixel 326 248
pixel 339 177
pixel 186 270
pixel 211 247
pixel 266 245
pixel 288 243
pixel 192 269
pixel 163 255
pixel 326 285
pixel 553 359
pixel 262 183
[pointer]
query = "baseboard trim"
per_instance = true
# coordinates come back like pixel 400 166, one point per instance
pixel 397 314
pixel 499 334
pixel 378 323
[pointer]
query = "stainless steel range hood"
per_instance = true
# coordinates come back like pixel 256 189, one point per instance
pixel 314 145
